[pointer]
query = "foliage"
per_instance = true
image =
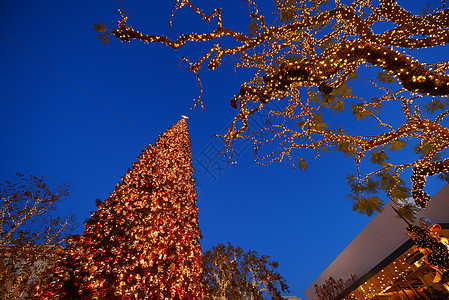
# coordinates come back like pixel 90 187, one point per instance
pixel 230 273
pixel 333 288
pixel 30 233
pixel 143 241
pixel 103 33
pixel 433 246
pixel 316 49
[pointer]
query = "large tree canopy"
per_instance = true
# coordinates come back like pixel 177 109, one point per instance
pixel 308 59
pixel 31 233
pixel 231 274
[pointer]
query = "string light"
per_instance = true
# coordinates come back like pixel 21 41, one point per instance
pixel 305 51
pixel 143 241
pixel 436 253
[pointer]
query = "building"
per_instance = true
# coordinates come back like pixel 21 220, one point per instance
pixel 385 261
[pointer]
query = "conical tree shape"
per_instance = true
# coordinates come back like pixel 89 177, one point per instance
pixel 143 241
pixel 436 253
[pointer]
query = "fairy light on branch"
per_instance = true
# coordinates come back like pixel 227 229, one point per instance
pixel 317 49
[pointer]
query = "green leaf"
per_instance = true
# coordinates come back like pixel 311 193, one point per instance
pixel 327 44
pixel 368 186
pixel 100 27
pixel 425 11
pixel 387 181
pixel 314 97
pixel 385 77
pixel 253 27
pixel 287 12
pixel 338 106
pixel 397 145
pixel 393 185
pixel 344 91
pixel 302 164
pixel 287 16
pixel 104 37
pixel 444 176
pixel 436 104
pixel 400 192
pixel 366 206
pixel 424 149
pixel 317 121
pixel 344 147
pixel 327 100
pixel 353 75
pixel 341 131
pixel 407 211
pixel 379 157
pixel 359 111
pixel 350 178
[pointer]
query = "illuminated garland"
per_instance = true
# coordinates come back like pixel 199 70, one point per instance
pixel 419 176
pixel 143 241
pixel 422 169
pixel 430 244
pixel 305 51
pixel 413 76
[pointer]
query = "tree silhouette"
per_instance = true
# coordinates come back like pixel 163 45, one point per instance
pixel 309 58
pixel 332 288
pixel 230 273
pixel 31 233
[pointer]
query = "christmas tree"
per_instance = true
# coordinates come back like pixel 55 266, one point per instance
pixel 143 241
pixel 433 246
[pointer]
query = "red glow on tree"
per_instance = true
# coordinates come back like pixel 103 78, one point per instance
pixel 143 241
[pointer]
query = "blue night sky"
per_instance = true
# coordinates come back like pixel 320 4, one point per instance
pixel 58 128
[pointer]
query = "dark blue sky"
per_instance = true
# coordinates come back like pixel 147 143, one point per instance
pixel 51 126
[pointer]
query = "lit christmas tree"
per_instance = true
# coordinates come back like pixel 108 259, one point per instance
pixel 143 241
pixel 432 245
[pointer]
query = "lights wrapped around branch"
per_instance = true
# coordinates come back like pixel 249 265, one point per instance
pixel 419 176
pixel 413 76
pixel 287 56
